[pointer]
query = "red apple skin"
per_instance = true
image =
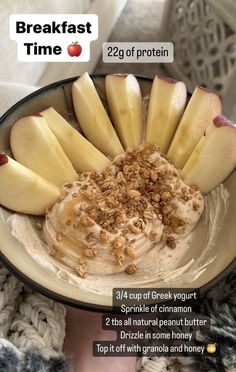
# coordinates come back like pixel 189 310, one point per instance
pixel 222 121
pixel 37 114
pixel 121 75
pixel 205 89
pixel 167 79
pixel 3 159
pixel 74 50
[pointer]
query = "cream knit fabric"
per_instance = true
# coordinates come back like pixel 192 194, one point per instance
pixel 32 329
pixel 28 319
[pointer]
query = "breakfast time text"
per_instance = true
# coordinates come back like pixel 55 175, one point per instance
pixel 53 37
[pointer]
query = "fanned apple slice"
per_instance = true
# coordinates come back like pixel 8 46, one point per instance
pixel 35 146
pixel 93 117
pixel 24 191
pixel 214 157
pixel 166 106
pixel 125 105
pixel 82 154
pixel 202 108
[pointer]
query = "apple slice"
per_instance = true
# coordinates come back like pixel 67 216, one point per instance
pixel 214 157
pixel 82 154
pixel 24 191
pixel 202 108
pixel 93 117
pixel 166 106
pixel 126 108
pixel 35 146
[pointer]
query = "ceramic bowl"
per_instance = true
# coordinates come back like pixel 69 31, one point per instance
pixel 40 279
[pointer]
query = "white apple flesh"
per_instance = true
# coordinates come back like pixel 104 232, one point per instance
pixel 93 117
pixel 82 154
pixel 214 157
pixel 202 108
pixel 125 105
pixel 24 191
pixel 166 106
pixel 34 145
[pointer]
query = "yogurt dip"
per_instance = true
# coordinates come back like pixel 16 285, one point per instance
pixel 106 223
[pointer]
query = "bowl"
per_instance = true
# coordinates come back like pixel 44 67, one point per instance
pixel 17 260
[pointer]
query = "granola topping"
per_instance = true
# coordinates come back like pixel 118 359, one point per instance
pixel 131 269
pixel 113 218
pixel 39 226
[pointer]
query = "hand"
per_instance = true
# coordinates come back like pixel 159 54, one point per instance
pixel 82 328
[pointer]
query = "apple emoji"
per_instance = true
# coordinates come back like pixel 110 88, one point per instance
pixel 74 49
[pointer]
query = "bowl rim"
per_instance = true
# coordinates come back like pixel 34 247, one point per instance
pixel 38 288
pixel 54 295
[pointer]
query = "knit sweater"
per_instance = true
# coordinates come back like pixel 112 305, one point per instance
pixel 32 329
